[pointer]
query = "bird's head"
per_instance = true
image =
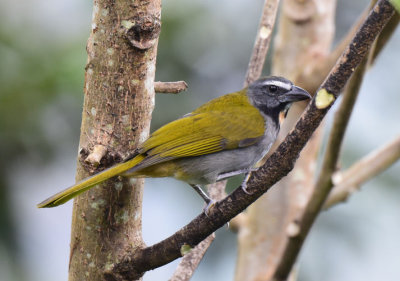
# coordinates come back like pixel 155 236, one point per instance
pixel 273 95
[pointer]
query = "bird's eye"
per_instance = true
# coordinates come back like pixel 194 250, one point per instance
pixel 273 88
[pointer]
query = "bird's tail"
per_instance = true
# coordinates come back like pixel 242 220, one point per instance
pixel 71 192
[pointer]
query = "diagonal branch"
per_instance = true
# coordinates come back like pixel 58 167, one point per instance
pixel 383 38
pixel 263 39
pixel 323 184
pixel 291 249
pixel 191 261
pixel 349 181
pixel 277 166
pixel 310 79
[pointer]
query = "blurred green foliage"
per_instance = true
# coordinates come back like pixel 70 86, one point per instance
pixel 396 4
pixel 31 79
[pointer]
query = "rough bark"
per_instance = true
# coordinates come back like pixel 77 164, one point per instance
pixel 119 99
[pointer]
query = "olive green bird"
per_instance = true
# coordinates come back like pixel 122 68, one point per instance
pixel 225 137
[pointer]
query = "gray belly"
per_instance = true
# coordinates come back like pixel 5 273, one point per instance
pixel 205 169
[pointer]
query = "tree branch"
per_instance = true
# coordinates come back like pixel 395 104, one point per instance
pixel 349 181
pixel 262 41
pixel 94 158
pixel 303 37
pixel 385 35
pixel 191 261
pixel 277 166
pixel 170 87
pixel 323 183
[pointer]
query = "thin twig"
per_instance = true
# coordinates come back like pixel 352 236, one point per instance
pixel 94 158
pixel 349 181
pixel 191 261
pixel 341 191
pixel 263 39
pixel 170 87
pixel 279 164
pixel 256 63
pixel 303 39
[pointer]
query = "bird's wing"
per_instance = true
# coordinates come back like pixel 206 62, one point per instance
pixel 227 122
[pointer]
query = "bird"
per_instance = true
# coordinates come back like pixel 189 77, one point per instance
pixel 224 137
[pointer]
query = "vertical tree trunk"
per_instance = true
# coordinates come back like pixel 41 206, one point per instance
pixel 119 99
pixel 305 33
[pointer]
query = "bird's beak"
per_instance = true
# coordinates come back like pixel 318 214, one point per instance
pixel 295 94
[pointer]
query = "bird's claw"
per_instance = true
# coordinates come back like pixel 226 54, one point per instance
pixel 208 207
pixel 244 183
pixel 244 188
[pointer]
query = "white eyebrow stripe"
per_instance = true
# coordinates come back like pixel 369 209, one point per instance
pixel 278 84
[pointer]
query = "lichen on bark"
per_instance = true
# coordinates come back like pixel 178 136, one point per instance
pixel 118 102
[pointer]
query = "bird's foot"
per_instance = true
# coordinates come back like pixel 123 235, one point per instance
pixel 244 183
pixel 244 188
pixel 208 207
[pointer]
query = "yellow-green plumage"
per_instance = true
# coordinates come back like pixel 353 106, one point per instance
pixel 221 124
pixel 82 186
pixel 224 137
